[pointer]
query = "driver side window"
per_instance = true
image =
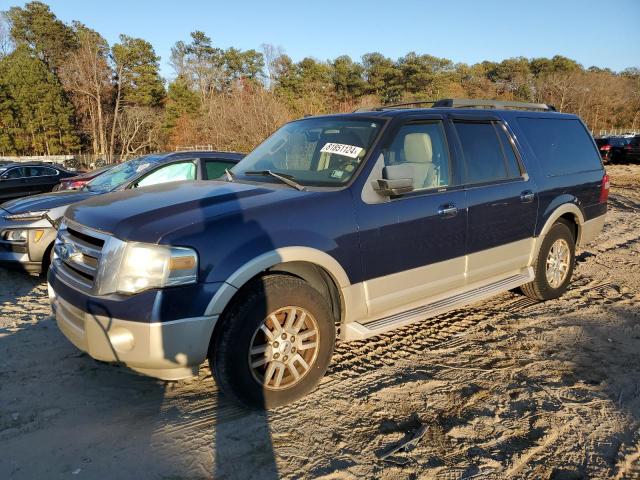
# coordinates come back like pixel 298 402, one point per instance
pixel 169 173
pixel 419 151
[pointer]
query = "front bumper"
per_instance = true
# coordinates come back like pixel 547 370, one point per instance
pixel 11 259
pixel 27 256
pixel 168 350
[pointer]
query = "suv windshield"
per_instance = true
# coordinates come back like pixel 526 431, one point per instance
pixel 314 151
pixel 120 174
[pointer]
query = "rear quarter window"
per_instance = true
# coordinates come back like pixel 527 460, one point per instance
pixel 563 146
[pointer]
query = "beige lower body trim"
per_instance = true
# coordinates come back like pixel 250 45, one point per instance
pixel 398 290
pixel 590 229
pixel 498 260
pixel 168 350
pixel 384 293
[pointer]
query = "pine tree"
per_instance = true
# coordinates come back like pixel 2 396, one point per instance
pixel 138 71
pixel 36 26
pixel 34 108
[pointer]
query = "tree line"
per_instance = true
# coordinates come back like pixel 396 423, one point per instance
pixel 64 89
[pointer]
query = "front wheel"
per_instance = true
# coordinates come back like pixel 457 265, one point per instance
pixel 554 265
pixel 274 343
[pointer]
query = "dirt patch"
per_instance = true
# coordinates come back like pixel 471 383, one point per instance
pixel 509 388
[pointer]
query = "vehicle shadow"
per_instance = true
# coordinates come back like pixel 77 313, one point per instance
pixel 240 439
pixel 151 428
pixel 101 420
pixel 63 413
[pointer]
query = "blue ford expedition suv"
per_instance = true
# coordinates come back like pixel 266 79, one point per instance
pixel 335 227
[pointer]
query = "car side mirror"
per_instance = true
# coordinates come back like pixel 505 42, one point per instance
pixel 396 180
pixel 392 188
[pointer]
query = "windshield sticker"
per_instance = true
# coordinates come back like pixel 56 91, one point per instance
pixel 341 149
pixel 337 174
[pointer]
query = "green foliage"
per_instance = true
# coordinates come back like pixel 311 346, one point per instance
pixel 209 70
pixel 383 77
pixel 34 114
pixel 347 78
pixel 139 69
pixel 181 100
pixel 38 28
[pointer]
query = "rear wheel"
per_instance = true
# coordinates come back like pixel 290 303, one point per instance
pixel 554 265
pixel 274 343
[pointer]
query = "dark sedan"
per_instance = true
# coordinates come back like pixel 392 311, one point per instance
pixel 80 180
pixel 28 226
pixel 22 179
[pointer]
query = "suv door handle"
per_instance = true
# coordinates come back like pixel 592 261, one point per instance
pixel 527 196
pixel 448 210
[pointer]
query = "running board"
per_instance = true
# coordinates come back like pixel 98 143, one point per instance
pixel 359 331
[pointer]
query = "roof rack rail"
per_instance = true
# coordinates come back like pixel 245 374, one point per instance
pixel 408 104
pixel 465 103
pixel 471 103
pixel 391 106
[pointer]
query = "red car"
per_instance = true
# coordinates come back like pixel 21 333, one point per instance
pixel 77 182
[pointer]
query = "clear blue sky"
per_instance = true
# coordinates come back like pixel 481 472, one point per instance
pixel 606 34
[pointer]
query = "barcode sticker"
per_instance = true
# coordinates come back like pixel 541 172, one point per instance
pixel 342 149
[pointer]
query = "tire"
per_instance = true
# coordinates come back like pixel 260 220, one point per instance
pixel 240 330
pixel 541 288
pixel 47 260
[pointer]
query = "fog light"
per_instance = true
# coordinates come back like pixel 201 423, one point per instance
pixel 121 340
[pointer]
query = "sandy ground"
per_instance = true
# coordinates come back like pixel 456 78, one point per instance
pixel 509 388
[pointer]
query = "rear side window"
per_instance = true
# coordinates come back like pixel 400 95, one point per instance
pixel 216 168
pixel 41 172
pixel 488 154
pixel 563 146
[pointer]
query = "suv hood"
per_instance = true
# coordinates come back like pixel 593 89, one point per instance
pixel 45 201
pixel 165 212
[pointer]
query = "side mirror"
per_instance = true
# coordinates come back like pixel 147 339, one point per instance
pixel 391 188
pixel 397 180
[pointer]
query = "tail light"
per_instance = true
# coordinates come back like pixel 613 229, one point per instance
pixel 628 147
pixel 72 184
pixel 605 148
pixel 77 184
pixel 604 189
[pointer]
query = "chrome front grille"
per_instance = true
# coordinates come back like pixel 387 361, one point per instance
pixel 78 251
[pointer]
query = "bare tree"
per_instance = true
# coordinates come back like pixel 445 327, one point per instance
pixel 272 56
pixel 138 131
pixel 6 44
pixel 88 77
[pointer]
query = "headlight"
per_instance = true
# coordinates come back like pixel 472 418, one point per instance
pixel 147 266
pixel 26 215
pixel 19 236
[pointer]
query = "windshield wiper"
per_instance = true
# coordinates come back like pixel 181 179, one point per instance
pixel 288 179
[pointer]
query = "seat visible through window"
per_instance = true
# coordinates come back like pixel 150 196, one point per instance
pixel 418 153
pixel 419 150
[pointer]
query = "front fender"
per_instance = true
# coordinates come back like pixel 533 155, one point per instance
pixel 268 259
